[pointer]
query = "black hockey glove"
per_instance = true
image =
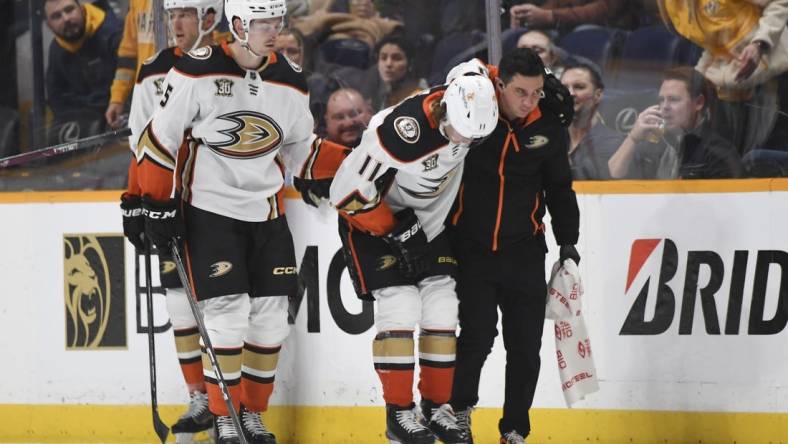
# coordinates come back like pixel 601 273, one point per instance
pixel 409 243
pixel 568 252
pixel 312 190
pixel 557 99
pixel 162 221
pixel 133 220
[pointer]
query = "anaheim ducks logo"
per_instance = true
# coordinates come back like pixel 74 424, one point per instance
pixel 386 262
pixel 167 267
pixel 252 135
pixel 220 269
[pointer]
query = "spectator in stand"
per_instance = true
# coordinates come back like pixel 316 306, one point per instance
pixel 674 139
pixel 391 80
pixel 592 142
pixel 347 116
pixel 82 57
pixel 565 15
pixel 541 43
pixel 746 49
pixel 362 22
pixel 144 33
pixel 290 42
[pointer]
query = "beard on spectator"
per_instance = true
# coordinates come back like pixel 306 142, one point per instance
pixel 72 31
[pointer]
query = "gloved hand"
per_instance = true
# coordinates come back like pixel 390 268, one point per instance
pixel 557 99
pixel 133 220
pixel 568 252
pixel 163 222
pixel 312 190
pixel 409 243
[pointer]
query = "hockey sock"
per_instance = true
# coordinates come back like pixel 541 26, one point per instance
pixel 392 353
pixel 257 375
pixel 187 345
pixel 437 350
pixel 230 365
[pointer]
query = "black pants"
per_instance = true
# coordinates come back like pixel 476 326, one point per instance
pixel 514 280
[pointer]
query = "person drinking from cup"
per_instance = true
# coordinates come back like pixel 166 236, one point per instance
pixel 674 138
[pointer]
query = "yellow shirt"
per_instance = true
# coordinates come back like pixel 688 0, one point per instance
pixel 715 25
pixel 137 45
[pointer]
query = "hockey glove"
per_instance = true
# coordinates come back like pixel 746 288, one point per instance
pixel 409 243
pixel 133 220
pixel 557 99
pixel 162 221
pixel 568 252
pixel 313 190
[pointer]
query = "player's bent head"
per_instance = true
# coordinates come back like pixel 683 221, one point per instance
pixel 471 108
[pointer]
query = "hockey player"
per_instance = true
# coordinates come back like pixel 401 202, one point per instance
pixel 242 114
pixel 393 192
pixel 191 23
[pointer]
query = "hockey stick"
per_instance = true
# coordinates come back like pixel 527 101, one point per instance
pixel 63 148
pixel 158 425
pixel 176 256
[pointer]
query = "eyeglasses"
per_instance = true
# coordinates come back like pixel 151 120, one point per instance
pixel 537 94
pixel 266 26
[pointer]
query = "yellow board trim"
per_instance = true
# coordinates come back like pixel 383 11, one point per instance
pixel 341 425
pixel 581 187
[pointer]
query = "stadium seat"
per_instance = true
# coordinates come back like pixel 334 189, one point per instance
pixel 598 44
pixel 447 49
pixel 346 52
pixel 646 53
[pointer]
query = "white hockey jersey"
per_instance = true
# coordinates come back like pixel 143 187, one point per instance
pixel 403 161
pixel 149 89
pixel 242 127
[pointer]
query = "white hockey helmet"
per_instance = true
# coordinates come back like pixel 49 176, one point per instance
pixel 471 106
pixel 202 7
pixel 473 66
pixel 248 10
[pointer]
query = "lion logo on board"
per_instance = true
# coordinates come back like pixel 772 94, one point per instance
pixel 252 135
pixel 407 128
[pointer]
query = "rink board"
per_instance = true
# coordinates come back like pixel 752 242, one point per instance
pixel 684 303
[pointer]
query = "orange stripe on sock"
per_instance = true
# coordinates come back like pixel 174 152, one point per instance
pixel 216 402
pixel 397 386
pixel 192 374
pixel 255 395
pixel 435 383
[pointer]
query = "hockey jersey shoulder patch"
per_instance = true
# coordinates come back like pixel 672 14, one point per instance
pixel 208 61
pixel 406 133
pixel 159 64
pixel 281 70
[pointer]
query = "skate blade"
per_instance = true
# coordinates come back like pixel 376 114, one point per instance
pixel 204 437
pixel 394 440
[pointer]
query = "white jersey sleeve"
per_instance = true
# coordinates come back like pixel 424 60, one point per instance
pixel 354 188
pixel 295 147
pixel 173 116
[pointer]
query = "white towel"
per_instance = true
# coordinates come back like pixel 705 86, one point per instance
pixel 572 344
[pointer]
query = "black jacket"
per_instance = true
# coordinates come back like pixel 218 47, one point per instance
pixel 80 74
pixel 510 178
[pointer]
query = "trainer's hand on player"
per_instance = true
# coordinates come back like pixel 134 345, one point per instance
pixel 163 221
pixel 133 220
pixel 409 242
pixel 748 59
pixel 114 110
